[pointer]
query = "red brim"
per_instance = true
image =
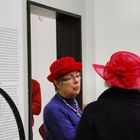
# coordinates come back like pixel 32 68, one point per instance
pixel 99 69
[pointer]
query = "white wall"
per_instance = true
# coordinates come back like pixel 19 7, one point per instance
pixel 117 27
pixel 43 46
pixel 25 67
pixel 74 6
pixel 89 52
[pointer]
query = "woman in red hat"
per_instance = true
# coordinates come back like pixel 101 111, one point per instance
pixel 116 113
pixel 62 113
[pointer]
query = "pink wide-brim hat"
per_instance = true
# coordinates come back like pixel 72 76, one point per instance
pixel 63 66
pixel 122 70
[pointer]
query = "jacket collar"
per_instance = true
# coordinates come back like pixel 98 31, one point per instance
pixel 120 93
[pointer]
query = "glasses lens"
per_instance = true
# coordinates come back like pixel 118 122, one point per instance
pixel 71 77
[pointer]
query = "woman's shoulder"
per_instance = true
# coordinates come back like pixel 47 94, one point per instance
pixel 54 105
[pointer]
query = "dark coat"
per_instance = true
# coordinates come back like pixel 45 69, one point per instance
pixel 114 116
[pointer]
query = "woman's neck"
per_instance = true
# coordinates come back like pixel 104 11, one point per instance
pixel 65 96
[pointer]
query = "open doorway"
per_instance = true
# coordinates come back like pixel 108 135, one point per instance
pixel 52 33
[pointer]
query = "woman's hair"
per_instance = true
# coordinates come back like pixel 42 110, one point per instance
pixel 107 84
pixel 58 81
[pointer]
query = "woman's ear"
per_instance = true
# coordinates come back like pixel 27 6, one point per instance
pixel 57 84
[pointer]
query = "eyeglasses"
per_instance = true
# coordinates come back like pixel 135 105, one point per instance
pixel 71 77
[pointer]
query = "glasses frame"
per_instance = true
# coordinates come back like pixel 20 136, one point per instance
pixel 71 77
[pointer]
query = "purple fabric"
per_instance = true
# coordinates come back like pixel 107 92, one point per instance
pixel 60 121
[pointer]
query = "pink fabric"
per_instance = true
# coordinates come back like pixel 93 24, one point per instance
pixel 36 99
pixel 122 70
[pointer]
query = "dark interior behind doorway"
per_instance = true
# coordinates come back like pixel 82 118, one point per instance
pixel 68 30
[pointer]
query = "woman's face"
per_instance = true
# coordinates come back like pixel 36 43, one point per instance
pixel 69 85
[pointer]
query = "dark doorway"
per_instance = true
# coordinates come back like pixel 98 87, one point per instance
pixel 68 30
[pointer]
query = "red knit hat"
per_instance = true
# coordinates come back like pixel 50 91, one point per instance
pixel 63 66
pixel 122 70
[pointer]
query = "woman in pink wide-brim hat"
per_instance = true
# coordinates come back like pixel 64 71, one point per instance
pixel 115 115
